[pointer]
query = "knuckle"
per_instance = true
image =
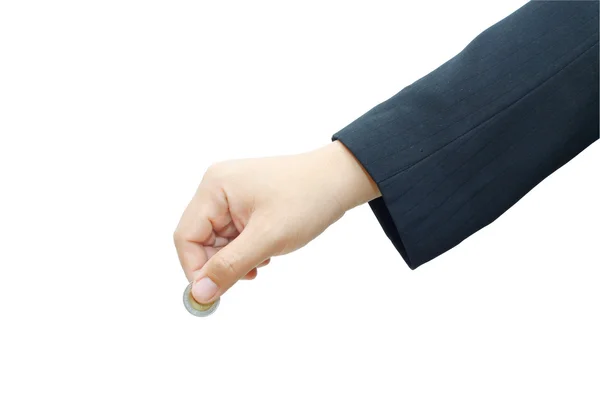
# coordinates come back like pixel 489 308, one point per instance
pixel 180 236
pixel 214 170
pixel 224 268
pixel 177 236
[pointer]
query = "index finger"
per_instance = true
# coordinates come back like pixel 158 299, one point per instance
pixel 193 230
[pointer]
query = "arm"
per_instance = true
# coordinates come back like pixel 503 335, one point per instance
pixel 438 161
pixel 453 151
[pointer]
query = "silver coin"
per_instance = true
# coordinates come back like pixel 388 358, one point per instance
pixel 195 308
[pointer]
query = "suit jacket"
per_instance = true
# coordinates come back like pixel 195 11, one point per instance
pixel 457 148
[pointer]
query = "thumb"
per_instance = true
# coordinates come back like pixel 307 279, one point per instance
pixel 231 263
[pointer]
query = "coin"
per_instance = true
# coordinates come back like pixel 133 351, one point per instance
pixel 195 308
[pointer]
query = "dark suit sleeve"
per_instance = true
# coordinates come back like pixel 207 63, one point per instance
pixel 454 150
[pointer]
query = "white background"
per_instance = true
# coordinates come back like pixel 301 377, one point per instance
pixel 111 111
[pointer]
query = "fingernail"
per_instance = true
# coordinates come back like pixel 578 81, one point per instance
pixel 204 290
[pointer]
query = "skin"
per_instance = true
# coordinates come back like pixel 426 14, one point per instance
pixel 246 211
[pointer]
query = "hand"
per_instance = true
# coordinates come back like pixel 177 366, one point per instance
pixel 247 211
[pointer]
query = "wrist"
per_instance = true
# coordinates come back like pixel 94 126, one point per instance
pixel 350 182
